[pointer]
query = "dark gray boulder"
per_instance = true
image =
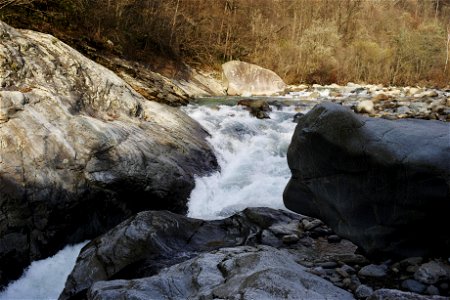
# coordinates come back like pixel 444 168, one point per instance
pixel 144 244
pixel 244 272
pixel 384 185
pixel 81 151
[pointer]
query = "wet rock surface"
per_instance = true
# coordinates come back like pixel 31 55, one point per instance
pixel 81 151
pixel 382 184
pixel 161 254
pixel 245 272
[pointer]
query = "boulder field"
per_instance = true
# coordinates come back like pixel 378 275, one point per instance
pixel 384 185
pixel 81 151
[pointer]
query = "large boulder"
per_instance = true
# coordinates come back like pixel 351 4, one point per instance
pixel 80 150
pixel 144 244
pixel 244 272
pixel 159 255
pixel 384 185
pixel 248 79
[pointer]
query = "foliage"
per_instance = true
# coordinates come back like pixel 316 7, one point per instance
pixel 392 42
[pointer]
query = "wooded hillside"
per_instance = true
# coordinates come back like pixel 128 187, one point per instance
pixel 400 42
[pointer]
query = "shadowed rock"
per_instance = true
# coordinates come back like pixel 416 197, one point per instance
pixel 150 241
pixel 80 150
pixel 244 272
pixel 384 185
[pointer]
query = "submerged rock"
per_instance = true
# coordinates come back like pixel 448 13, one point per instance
pixel 258 108
pixel 243 272
pixel 80 150
pixel 248 79
pixel 384 185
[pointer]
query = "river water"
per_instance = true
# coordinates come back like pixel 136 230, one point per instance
pixel 254 172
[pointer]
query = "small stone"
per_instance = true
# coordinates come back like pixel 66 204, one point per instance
pixel 348 269
pixel 413 286
pixel 363 291
pixel 311 225
pixel 290 239
pixel 365 106
pixel 347 282
pixel 314 95
pixel 318 271
pixel 320 231
pixel 376 271
pixel 432 290
pixel 403 110
pixel 334 238
pixel 430 273
pixel 380 97
pixel 412 269
pixel 335 94
pixel 268 238
pixel 328 264
pixel 341 272
pixel 412 261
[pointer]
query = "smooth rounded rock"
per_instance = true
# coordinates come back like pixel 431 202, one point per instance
pixel 376 271
pixel 384 185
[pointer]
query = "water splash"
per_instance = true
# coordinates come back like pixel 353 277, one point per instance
pixel 44 279
pixel 252 156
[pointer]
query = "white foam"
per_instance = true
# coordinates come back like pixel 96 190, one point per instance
pixel 44 279
pixel 252 157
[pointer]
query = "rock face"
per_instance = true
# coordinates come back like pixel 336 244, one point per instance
pixel 244 272
pixel 171 256
pixel 244 79
pixel 384 185
pixel 80 150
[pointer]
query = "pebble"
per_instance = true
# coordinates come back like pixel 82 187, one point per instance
pixel 380 97
pixel 311 225
pixel 334 238
pixel 403 110
pixel 365 106
pixel 432 290
pixel 412 269
pixel 363 291
pixel 290 239
pixel 413 286
pixel 376 271
pixel 348 269
pixel 412 261
pixel 268 238
pixel 430 273
pixel 342 272
pixel 327 264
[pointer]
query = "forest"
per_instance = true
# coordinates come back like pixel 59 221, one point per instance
pixel 396 42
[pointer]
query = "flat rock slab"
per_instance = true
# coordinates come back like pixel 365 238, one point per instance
pixel 244 272
pixel 384 185
pixel 244 79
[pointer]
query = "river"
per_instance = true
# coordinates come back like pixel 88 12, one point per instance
pixel 252 157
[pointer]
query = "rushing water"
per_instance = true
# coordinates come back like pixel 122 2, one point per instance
pixel 252 157
pixel 254 172
pixel 44 279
